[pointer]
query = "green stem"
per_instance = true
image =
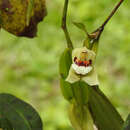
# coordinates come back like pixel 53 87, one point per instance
pixel 64 26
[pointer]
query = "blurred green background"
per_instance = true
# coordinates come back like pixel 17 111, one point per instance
pixel 29 67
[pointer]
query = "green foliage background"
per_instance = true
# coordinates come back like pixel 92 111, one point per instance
pixel 29 67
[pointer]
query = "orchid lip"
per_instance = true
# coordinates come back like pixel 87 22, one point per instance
pixel 82 70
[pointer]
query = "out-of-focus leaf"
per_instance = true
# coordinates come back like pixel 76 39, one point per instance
pixel 5 124
pixel 18 114
pixel 103 112
pixel 16 120
pixel 126 125
pixel 15 15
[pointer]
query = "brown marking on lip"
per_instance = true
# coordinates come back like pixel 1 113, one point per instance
pixel 85 63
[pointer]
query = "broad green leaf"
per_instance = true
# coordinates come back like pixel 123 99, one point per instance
pixel 15 15
pixel 65 63
pixel 81 93
pixel 103 112
pixel 20 114
pixel 66 89
pixel 16 119
pixel 126 125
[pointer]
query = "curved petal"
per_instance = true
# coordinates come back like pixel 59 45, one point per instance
pixel 91 78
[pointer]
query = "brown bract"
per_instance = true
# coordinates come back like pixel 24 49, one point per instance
pixel 13 16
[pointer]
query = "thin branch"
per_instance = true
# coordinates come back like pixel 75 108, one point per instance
pixel 112 13
pixel 96 34
pixel 64 26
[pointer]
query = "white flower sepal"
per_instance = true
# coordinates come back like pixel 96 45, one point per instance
pixel 83 72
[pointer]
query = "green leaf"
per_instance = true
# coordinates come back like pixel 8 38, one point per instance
pixel 103 112
pixel 65 63
pixel 126 125
pixel 18 114
pixel 66 89
pixel 90 42
pixel 81 93
pixel 16 119
pixel 64 66
pixel 81 26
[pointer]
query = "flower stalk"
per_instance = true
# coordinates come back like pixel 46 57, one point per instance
pixel 95 35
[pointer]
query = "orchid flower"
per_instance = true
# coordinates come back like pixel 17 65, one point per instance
pixel 82 67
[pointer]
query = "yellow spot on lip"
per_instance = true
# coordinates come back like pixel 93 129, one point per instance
pixel 83 56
